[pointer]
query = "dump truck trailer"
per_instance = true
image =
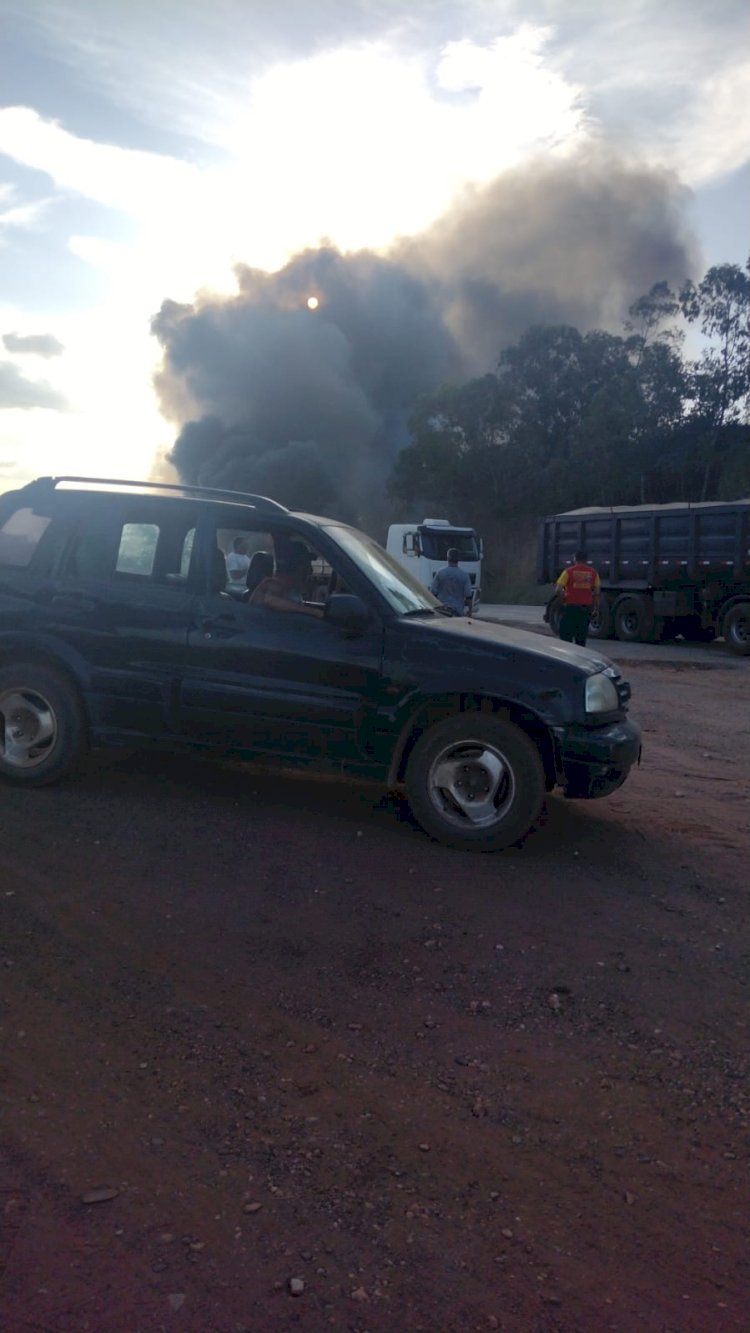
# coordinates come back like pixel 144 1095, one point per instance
pixel 665 569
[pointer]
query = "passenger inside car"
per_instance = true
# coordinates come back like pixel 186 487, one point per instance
pixel 285 589
pixel 261 567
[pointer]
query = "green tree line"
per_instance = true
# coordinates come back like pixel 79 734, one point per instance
pixel 571 419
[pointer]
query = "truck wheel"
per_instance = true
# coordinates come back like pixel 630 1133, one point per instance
pixel 736 628
pixel 600 625
pixel 634 620
pixel 555 616
pixel 42 730
pixel 475 782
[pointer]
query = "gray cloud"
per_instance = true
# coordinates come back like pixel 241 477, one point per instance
pixel 17 391
pixel 178 67
pixel 267 390
pixel 38 344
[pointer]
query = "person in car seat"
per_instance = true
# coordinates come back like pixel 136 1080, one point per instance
pixel 284 590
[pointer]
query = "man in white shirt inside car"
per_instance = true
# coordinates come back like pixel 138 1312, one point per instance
pixel 238 563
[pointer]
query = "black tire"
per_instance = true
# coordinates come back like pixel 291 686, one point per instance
pixel 600 625
pixel 736 628
pixel 555 616
pixel 634 620
pixel 490 759
pixel 42 729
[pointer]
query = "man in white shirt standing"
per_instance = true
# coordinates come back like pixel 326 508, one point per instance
pixel 238 563
pixel 452 585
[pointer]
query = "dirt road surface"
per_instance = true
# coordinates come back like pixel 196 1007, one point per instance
pixel 674 650
pixel 259 1031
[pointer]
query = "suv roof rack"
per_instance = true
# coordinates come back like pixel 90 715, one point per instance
pixel 211 492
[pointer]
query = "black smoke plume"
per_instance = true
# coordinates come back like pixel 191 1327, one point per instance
pixel 311 404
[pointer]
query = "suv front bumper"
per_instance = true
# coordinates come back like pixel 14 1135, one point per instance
pixel 594 761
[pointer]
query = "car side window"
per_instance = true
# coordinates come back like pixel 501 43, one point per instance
pixel 249 552
pixel 137 550
pixel 20 535
pixel 146 549
pixel 247 555
pixel 187 553
pixel 91 555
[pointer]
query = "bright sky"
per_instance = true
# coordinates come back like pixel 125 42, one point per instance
pixel 145 148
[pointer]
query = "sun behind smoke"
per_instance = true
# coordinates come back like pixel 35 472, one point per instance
pixel 312 302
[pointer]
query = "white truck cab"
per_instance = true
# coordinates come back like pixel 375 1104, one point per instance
pixel 423 548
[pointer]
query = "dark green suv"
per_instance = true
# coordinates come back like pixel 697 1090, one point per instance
pixel 122 622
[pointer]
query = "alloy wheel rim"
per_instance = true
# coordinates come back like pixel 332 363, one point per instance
pixel 28 728
pixel 471 784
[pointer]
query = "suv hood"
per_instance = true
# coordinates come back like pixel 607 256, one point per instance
pixel 490 636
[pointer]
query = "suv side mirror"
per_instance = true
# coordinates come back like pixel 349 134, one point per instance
pixel 347 611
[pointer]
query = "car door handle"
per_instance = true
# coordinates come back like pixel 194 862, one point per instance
pixel 226 618
pixel 226 623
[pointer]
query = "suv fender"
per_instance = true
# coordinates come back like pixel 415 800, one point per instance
pixel 17 645
pixel 425 711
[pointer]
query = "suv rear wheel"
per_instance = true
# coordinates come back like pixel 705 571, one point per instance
pixel 475 782
pixel 41 725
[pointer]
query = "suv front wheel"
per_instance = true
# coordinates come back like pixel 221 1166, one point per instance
pixel 41 725
pixel 475 782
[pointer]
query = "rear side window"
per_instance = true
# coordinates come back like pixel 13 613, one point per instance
pixel 137 552
pixel 20 535
pixel 187 553
pixel 133 548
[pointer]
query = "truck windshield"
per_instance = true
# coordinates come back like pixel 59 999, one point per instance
pixel 402 592
pixel 437 543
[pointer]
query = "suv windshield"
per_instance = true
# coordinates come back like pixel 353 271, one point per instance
pixel 402 592
pixel 436 544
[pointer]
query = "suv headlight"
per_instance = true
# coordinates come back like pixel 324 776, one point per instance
pixel 601 694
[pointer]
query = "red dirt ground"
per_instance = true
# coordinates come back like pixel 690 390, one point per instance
pixel 467 1092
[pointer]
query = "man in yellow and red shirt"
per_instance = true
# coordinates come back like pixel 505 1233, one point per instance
pixel 578 589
